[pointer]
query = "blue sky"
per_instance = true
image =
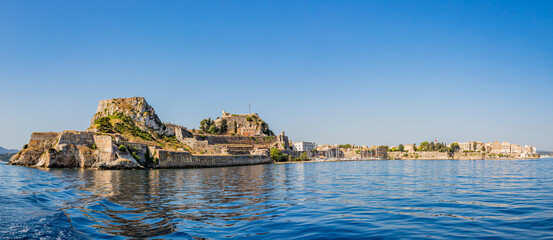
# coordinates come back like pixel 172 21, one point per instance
pixel 360 72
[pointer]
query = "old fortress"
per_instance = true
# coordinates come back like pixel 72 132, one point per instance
pixel 127 133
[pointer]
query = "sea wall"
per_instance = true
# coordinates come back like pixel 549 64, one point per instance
pixel 181 159
pixel 435 155
pixel 419 155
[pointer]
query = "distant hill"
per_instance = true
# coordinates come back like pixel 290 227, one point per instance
pixel 6 156
pixel 3 150
pixel 545 154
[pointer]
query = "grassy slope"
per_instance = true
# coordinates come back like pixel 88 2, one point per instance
pixel 125 126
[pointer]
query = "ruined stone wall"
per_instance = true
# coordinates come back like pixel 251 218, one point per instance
pixel 43 139
pixel 241 122
pixel 283 142
pixel 77 138
pixel 140 150
pixel 203 146
pixel 256 140
pixel 220 144
pixel 182 133
pixel 105 146
pixel 71 149
pixel 178 159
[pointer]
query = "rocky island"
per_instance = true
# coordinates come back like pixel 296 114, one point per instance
pixel 126 133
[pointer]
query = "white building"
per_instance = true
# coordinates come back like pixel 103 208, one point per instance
pixel 465 146
pixel 304 146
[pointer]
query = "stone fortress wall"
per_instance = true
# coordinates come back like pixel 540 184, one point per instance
pixel 92 150
pixel 240 120
pixel 172 159
pixel 43 139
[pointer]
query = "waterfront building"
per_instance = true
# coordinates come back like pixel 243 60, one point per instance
pixel 479 146
pixel 248 131
pixel 408 148
pixel 304 146
pixel 465 146
pixel 505 147
pixel 515 148
pixel 472 146
pixel 493 147
pixel 529 149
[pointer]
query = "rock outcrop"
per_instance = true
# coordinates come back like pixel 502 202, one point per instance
pixel 137 109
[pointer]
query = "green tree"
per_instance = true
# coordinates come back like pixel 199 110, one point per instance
pixel 483 149
pixel 401 147
pixel 206 124
pixel 224 126
pixel 303 156
pixel 123 148
pixel 104 124
pixel 414 147
pixel 235 128
pixel 424 146
pixel 432 146
pixel 213 130
pixel 454 147
pixel 278 156
pixel 265 129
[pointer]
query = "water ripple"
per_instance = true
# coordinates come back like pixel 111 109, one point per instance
pixel 478 199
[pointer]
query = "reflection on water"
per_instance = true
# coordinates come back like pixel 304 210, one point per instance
pixel 371 199
pixel 147 203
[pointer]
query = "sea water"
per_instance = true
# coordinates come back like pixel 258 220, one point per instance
pixel 387 199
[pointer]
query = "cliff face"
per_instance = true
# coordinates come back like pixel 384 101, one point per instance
pixel 77 149
pixel 136 108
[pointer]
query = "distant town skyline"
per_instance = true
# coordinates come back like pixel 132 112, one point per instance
pixel 329 72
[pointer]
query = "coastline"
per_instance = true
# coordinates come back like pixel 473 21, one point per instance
pixel 425 159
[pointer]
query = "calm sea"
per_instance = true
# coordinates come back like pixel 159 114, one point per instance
pixel 395 199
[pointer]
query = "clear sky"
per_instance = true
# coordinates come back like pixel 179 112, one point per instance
pixel 360 72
